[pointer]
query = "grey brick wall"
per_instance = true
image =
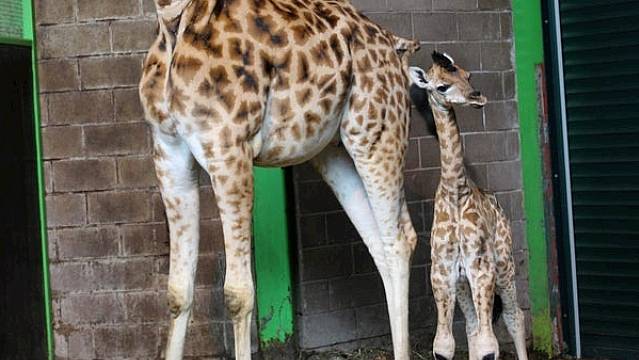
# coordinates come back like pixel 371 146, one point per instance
pixel 108 242
pixel 340 295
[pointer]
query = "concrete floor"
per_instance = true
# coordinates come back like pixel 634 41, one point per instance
pixel 372 354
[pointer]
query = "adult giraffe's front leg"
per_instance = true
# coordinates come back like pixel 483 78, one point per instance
pixel 178 185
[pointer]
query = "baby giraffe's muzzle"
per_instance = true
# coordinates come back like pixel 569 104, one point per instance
pixel 477 100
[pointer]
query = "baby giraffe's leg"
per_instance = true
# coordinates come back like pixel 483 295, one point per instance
pixel 178 185
pixel 443 277
pixel 514 319
pixel 480 270
pixel 465 301
pixel 513 316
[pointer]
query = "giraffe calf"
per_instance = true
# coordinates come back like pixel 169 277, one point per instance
pixel 471 241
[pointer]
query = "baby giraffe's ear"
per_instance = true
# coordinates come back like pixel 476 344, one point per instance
pixel 418 77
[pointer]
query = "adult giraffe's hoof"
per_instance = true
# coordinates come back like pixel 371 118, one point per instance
pixel 489 357
pixel 441 357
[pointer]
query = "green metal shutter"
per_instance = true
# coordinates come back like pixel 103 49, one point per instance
pixel 11 15
pixel 600 41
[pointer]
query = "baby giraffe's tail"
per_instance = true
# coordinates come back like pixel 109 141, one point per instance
pixel 497 308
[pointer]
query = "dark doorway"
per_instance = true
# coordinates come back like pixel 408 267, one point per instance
pixel 22 314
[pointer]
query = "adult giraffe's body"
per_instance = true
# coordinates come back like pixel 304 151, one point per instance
pixel 232 83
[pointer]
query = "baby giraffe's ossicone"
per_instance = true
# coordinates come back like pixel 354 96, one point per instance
pixel 471 241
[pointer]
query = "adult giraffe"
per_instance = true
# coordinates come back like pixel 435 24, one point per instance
pixel 233 83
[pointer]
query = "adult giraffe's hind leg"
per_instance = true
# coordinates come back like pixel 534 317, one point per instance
pixel 397 242
pixel 178 185
pixel 375 135
pixel 338 170
pixel 232 179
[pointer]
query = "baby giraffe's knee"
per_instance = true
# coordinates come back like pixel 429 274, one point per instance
pixel 239 301
pixel 180 299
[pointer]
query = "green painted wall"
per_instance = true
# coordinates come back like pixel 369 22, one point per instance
pixel 272 262
pixel 528 36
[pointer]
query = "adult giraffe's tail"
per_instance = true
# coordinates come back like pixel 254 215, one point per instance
pixel 405 47
pixel 419 97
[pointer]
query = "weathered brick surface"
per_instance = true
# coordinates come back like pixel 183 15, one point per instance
pixel 108 240
pixel 58 75
pixel 88 107
pixel 67 175
pixel 341 302
pixel 62 142
pixel 73 40
pixel 110 71
pixel 60 11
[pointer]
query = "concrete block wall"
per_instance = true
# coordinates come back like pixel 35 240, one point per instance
pixel 340 294
pixel 108 242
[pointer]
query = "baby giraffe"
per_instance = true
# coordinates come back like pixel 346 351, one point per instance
pixel 471 243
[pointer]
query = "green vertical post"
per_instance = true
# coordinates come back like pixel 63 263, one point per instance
pixel 272 262
pixel 528 37
pixel 28 33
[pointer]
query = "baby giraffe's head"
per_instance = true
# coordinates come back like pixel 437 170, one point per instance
pixel 447 83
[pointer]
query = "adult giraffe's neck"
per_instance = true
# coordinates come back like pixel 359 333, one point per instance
pixel 453 175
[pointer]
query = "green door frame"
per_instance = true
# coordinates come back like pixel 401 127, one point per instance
pixel 28 39
pixel 529 55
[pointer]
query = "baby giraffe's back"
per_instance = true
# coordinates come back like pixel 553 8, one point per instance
pixel 485 232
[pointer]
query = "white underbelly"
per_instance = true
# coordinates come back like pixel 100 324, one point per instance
pixel 293 151
pixel 275 146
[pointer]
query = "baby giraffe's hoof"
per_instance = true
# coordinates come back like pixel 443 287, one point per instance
pixel 489 357
pixel 441 357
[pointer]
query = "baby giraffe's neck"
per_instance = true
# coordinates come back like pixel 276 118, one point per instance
pixel 453 175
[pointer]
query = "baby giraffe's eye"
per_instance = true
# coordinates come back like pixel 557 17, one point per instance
pixel 443 88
